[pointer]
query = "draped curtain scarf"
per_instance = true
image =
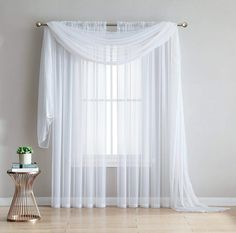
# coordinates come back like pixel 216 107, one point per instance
pixel 115 98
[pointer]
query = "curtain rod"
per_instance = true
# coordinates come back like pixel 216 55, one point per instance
pixel 41 24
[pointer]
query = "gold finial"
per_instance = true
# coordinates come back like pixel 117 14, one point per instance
pixel 38 24
pixel 183 24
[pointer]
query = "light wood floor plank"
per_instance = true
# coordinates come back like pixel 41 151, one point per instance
pixel 117 220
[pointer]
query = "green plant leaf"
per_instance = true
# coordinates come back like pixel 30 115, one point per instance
pixel 24 150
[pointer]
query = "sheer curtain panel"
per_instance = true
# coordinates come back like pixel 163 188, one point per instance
pixel 115 99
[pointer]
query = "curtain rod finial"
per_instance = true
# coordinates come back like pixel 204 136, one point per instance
pixel 38 24
pixel 183 24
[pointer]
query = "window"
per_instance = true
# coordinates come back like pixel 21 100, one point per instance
pixel 112 103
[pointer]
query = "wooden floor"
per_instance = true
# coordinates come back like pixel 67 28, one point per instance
pixel 114 220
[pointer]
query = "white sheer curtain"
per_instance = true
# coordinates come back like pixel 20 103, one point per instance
pixel 115 96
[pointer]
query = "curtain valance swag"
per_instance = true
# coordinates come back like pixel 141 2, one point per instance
pixel 111 47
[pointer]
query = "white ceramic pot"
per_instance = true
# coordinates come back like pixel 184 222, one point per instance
pixel 25 158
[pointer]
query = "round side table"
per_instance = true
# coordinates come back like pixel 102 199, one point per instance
pixel 23 207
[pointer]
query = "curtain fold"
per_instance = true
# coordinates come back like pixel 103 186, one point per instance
pixel 115 96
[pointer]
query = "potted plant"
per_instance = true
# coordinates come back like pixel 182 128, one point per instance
pixel 25 154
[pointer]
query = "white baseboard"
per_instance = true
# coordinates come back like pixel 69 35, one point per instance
pixel 42 201
pixel 218 201
pixel 111 201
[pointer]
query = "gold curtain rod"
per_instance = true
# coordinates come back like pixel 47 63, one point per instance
pixel 183 24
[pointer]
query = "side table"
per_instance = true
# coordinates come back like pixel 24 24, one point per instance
pixel 23 207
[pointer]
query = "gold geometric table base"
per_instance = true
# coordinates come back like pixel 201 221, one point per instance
pixel 23 207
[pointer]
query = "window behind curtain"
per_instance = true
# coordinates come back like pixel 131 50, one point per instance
pixel 114 102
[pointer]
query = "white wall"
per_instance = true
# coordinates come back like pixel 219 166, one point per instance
pixel 209 80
